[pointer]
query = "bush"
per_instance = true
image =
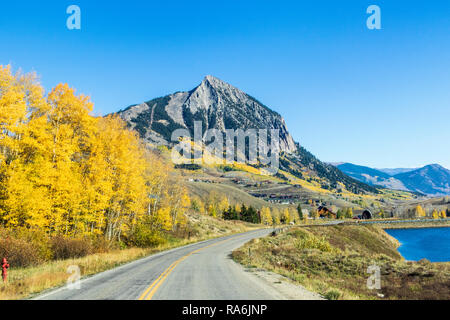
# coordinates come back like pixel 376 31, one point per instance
pixel 19 253
pixel 65 248
pixel 39 239
pixel 332 295
pixel 144 237
pixel 101 245
pixel 309 241
pixel 23 247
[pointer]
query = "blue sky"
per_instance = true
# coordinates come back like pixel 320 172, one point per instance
pixel 372 97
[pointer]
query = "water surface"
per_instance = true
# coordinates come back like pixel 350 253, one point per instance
pixel 429 243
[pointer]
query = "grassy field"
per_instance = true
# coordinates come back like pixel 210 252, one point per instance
pixel 26 282
pixel 333 262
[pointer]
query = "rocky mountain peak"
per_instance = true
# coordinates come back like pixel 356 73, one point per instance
pixel 214 81
pixel 217 104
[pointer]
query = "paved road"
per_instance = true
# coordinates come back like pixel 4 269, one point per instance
pixel 195 272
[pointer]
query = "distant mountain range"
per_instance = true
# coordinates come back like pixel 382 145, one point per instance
pixel 393 172
pixel 433 180
pixel 219 105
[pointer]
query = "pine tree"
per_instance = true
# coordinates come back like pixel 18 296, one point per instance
pixel 300 211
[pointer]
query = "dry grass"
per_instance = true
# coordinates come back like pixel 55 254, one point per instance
pixel 31 280
pixel 333 262
pixel 410 225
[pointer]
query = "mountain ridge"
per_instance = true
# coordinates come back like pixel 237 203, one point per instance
pixel 432 180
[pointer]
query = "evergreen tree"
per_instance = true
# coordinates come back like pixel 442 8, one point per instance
pixel 300 212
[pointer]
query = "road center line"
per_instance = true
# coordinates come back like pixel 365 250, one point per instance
pixel 151 290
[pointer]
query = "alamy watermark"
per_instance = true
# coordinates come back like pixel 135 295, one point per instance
pixel 74 280
pixel 374 20
pixel 213 146
pixel 374 281
pixel 74 20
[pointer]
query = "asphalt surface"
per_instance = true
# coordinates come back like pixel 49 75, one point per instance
pixel 201 271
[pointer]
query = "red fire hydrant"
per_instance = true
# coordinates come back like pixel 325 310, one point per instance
pixel 5 267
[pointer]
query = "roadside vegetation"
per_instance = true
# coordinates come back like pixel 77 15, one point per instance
pixel 32 274
pixel 333 262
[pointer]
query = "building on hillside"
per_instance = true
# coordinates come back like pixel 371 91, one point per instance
pixel 363 214
pixel 366 215
pixel 324 212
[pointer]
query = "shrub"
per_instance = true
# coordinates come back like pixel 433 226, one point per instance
pixel 101 245
pixel 65 248
pixel 307 240
pixel 144 237
pixel 23 247
pixel 39 239
pixel 332 295
pixel 19 253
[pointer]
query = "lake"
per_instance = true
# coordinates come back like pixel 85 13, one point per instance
pixel 429 243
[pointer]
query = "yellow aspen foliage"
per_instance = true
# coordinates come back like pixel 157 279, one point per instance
pixel 285 216
pixel 314 214
pixel 213 204
pixel 197 205
pixel 212 210
pixel 420 212
pixel 443 214
pixel 179 201
pixel 276 216
pixel 266 217
pixel 348 213
pixel 223 204
pixel 67 172
pixel 294 217
pixel 435 214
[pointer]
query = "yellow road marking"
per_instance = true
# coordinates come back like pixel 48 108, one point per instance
pixel 151 290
